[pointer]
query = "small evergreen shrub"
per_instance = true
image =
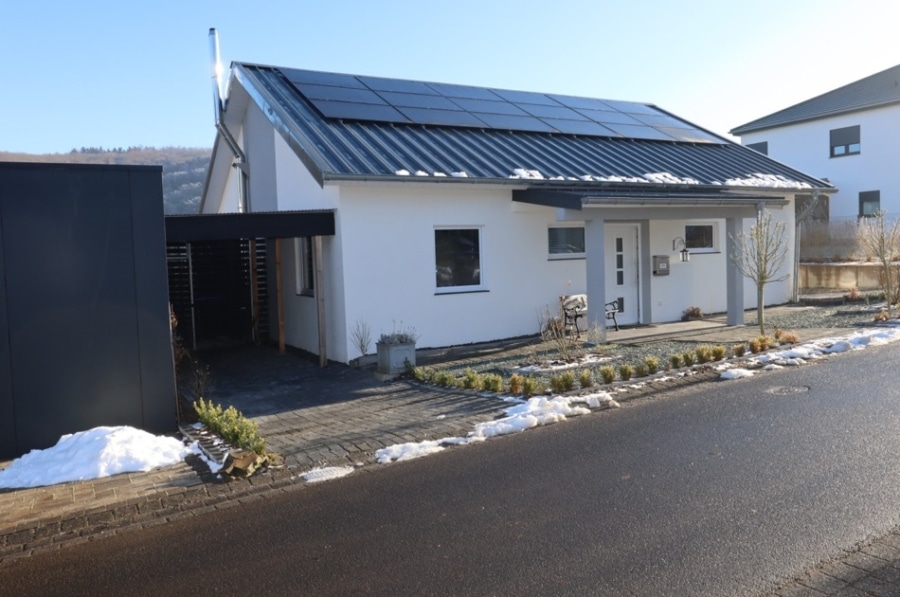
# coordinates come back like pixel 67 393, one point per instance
pixel 568 380
pixel 492 383
pixel 556 384
pixel 652 364
pixel 471 380
pixel 688 358
pixel 585 379
pixel 529 386
pixel 755 346
pixel 764 342
pixel 444 379
pixel 881 316
pixel 640 370
pixel 677 361
pixel 704 354
pixel 607 374
pixel 719 352
pixel 739 349
pixel 625 371
pixel 230 425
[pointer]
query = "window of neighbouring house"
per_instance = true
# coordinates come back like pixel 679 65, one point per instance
pixel 762 147
pixel 457 259
pixel 303 265
pixel 566 242
pixel 700 238
pixel 869 203
pixel 845 141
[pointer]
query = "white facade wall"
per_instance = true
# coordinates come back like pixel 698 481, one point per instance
pixel 806 147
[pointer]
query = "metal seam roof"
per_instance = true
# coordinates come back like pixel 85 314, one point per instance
pixel 880 89
pixel 355 149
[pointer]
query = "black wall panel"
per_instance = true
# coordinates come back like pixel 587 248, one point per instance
pixel 86 300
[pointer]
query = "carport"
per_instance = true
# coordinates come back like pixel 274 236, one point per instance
pixel 223 267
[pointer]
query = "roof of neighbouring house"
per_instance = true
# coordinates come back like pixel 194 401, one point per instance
pixel 356 127
pixel 874 91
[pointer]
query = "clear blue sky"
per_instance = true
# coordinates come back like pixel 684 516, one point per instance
pixel 117 73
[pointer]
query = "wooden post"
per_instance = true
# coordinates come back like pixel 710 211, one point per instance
pixel 280 299
pixel 318 283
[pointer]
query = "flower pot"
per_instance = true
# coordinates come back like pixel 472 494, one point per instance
pixel 392 358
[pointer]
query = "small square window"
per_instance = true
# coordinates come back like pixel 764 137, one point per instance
pixel 699 236
pixel 844 141
pixel 457 259
pixel 869 203
pixel 565 243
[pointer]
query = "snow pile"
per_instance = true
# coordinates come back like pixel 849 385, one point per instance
pixel 326 473
pixel 408 451
pixel 402 172
pixel 736 373
pixel 527 174
pixel 767 180
pixel 98 452
pixel 669 178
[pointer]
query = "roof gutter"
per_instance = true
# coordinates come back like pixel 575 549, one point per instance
pixel 240 160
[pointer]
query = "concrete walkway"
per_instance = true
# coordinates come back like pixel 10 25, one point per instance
pixel 337 416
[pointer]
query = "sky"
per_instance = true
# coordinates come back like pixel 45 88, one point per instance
pixel 105 451
pixel 108 73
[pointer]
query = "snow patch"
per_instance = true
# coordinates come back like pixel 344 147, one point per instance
pixel 327 473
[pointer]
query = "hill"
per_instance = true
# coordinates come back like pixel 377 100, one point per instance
pixel 184 168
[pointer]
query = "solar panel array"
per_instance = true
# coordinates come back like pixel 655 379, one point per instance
pixel 375 99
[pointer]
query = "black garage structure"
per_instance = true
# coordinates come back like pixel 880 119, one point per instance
pixel 84 326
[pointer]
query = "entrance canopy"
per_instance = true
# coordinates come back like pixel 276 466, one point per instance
pixel 283 224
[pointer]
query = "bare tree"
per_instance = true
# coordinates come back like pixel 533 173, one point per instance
pixel 881 239
pixel 762 253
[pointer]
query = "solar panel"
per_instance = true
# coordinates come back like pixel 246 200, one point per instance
pixel 348 97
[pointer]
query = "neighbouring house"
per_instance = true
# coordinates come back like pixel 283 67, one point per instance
pixel 847 136
pixel 466 212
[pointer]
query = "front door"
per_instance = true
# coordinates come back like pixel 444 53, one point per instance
pixel 622 276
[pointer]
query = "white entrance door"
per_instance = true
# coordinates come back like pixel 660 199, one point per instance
pixel 622 274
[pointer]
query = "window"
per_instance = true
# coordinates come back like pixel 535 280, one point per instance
pixel 845 141
pixel 303 265
pixel 869 203
pixel 700 238
pixel 565 243
pixel 457 258
pixel 762 147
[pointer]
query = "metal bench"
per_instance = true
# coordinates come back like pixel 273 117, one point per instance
pixel 575 306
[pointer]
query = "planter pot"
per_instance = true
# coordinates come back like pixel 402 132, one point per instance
pixel 392 358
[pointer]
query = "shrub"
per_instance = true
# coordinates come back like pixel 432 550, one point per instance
pixel 444 379
pixel 607 374
pixel 529 386
pixel 585 379
pixel 625 371
pixel 515 384
pixel 854 294
pixel 739 349
pixel 471 380
pixel 556 384
pixel 704 354
pixel 719 352
pixel 789 338
pixel 688 358
pixel 652 364
pixel 492 383
pixel 422 374
pixel 677 361
pixel 764 342
pixel 881 316
pixel 568 380
pixel 691 313
pixel 640 370
pixel 230 425
pixel 755 346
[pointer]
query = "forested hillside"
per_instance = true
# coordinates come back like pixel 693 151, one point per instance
pixel 184 169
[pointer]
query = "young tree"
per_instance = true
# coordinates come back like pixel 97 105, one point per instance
pixel 881 239
pixel 761 257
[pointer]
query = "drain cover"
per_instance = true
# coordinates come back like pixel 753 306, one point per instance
pixel 788 390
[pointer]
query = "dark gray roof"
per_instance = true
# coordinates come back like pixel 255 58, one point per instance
pixel 347 148
pixel 880 89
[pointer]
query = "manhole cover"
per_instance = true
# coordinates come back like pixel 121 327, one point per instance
pixel 788 390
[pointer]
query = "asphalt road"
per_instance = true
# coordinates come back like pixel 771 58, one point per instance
pixel 718 489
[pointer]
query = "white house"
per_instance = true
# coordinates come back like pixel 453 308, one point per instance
pixel 464 212
pixel 848 136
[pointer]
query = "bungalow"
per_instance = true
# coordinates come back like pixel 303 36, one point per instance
pixel 466 212
pixel 848 135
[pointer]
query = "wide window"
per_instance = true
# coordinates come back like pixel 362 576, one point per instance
pixel 869 203
pixel 700 237
pixel 845 141
pixel 457 258
pixel 303 265
pixel 565 243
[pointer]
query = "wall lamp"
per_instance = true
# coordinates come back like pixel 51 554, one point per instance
pixel 685 254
